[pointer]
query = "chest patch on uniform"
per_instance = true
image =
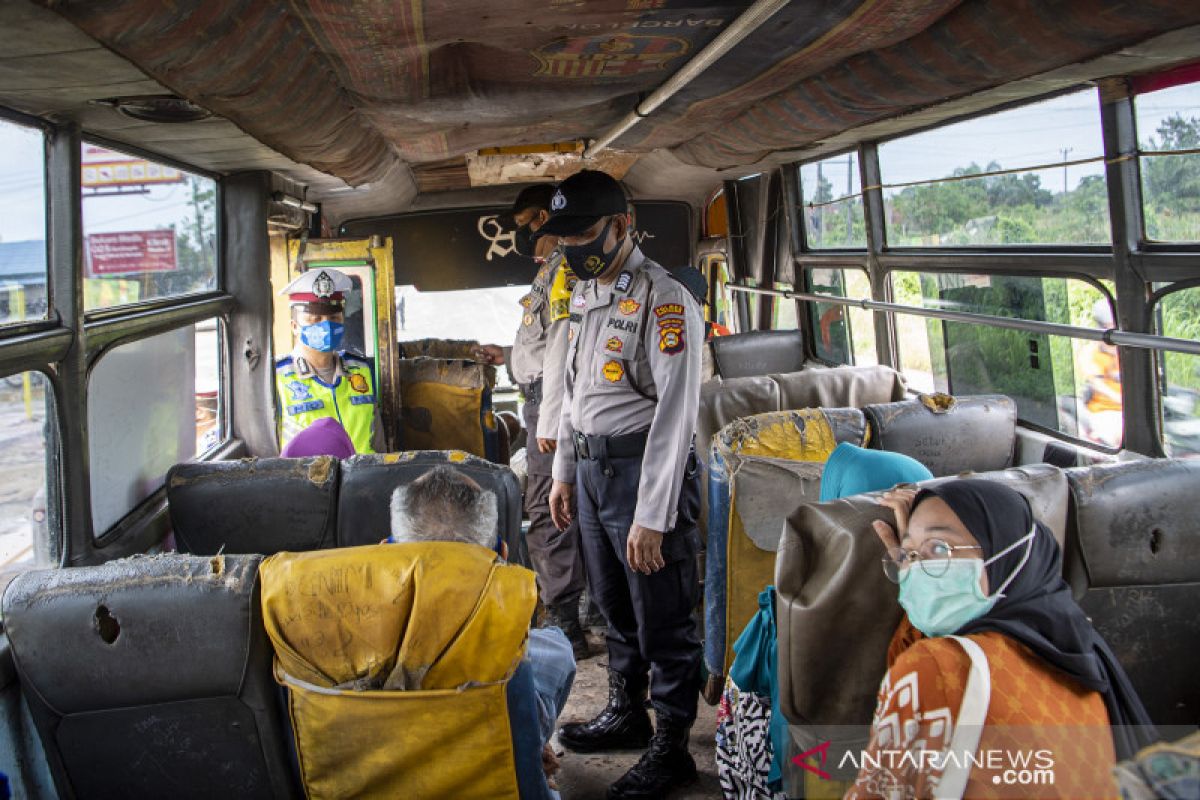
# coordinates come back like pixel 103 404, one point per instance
pixel 359 384
pixel 668 308
pixel 527 320
pixel 299 390
pixel 670 336
pixel 527 301
pixel 613 371
pixel 614 345
pixel 629 306
pixel 623 325
pixel 623 281
pixel 580 301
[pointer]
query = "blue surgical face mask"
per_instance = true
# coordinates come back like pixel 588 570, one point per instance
pixel 324 336
pixel 938 606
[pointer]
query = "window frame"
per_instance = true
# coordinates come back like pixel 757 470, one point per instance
pixel 15 329
pixel 797 202
pixel 1145 243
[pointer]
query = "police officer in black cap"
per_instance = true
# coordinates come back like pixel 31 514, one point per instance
pixel 625 455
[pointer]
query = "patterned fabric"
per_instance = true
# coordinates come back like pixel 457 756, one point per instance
pixel 744 745
pixel 1044 736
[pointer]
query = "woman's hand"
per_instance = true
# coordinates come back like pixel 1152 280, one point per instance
pixel 900 501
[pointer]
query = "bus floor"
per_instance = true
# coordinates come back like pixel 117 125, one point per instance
pixel 587 777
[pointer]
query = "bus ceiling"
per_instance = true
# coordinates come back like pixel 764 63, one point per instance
pixel 369 104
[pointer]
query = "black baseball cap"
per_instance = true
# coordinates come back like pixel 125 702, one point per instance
pixel 582 199
pixel 537 196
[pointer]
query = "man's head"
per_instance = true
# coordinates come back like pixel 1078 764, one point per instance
pixel 529 212
pixel 318 301
pixel 589 218
pixel 444 505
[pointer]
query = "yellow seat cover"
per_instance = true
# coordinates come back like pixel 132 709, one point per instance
pixel 396 658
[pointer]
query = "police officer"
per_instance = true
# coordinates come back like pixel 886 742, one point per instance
pixel 318 379
pixel 536 361
pixel 624 453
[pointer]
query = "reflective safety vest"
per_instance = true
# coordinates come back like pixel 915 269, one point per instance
pixel 304 399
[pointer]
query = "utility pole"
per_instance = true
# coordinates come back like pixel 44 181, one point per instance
pixel 1065 151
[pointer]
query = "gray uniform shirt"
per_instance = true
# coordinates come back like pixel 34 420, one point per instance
pixel 634 340
pixel 540 350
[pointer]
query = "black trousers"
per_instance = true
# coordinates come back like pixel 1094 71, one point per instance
pixel 650 623
pixel 555 554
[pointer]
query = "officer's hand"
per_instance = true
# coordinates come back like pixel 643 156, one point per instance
pixel 560 504
pixel 489 353
pixel 644 550
pixel 547 445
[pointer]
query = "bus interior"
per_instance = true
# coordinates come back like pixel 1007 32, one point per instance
pixel 963 230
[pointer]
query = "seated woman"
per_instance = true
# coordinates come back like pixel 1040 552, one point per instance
pixel 1003 681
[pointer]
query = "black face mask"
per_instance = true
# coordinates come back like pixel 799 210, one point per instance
pixel 591 260
pixel 524 243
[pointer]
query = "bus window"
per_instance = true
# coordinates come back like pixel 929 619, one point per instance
pixel 1040 171
pixel 1168 121
pixel 786 316
pixel 843 334
pixel 1178 315
pixel 1059 383
pixel 28 530
pixel 152 403
pixel 833 207
pixel 22 223
pixel 490 315
pixel 150 230
pixel 720 309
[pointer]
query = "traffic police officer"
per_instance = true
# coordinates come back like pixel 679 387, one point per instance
pixel 537 364
pixel 624 452
pixel 318 379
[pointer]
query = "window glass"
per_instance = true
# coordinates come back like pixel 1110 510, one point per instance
pixel 1060 383
pixel 716 272
pixel 489 316
pixel 842 334
pixel 833 208
pixel 1178 315
pixel 22 223
pixel 1040 204
pixel 150 230
pixel 28 530
pixel 1169 121
pixel 151 403
pixel 787 316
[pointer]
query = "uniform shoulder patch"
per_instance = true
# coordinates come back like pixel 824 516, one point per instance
pixel 668 309
pixel 671 340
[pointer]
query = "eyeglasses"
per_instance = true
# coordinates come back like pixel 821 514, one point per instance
pixel 933 555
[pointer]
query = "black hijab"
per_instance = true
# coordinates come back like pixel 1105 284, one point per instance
pixel 1038 609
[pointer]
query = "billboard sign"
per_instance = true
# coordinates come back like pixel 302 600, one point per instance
pixel 130 252
pixel 106 169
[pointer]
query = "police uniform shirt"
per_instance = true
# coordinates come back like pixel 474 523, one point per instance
pixel 305 371
pixel 540 350
pixel 633 364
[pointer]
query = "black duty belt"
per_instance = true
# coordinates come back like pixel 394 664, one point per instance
pixel 602 448
pixel 532 391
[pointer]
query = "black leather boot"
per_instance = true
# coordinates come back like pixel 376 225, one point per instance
pixel 622 725
pixel 566 616
pixel 666 765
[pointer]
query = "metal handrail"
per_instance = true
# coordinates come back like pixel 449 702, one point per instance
pixel 1113 336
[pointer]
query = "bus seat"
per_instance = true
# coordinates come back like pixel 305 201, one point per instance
pixel 948 434
pixel 761 468
pixel 262 505
pixel 367 483
pixel 741 355
pixel 1135 539
pixel 447 405
pixel 839 387
pixel 836 612
pixel 151 677
pixel 428 696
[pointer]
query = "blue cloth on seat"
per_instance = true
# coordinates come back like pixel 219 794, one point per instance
pixel 853 470
pixel 755 669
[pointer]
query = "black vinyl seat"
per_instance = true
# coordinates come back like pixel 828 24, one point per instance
pixel 255 505
pixel 1133 541
pixel 758 353
pixel 151 677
